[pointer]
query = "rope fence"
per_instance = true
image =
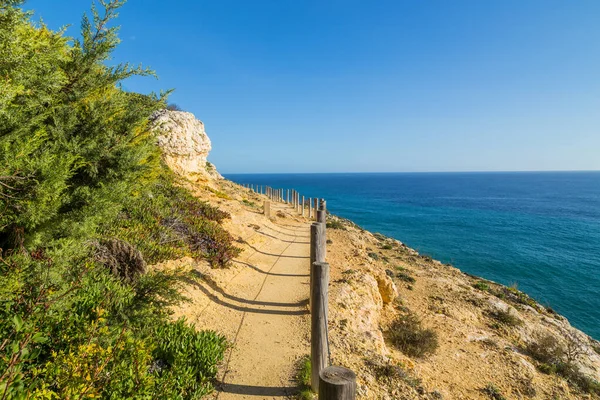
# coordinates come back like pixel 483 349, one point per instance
pixel 330 382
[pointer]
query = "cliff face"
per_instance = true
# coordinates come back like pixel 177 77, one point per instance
pixel 491 338
pixel 184 143
pixel 492 341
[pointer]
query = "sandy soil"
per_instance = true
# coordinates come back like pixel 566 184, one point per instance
pixel 260 303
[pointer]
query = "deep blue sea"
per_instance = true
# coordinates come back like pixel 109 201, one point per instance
pixel 540 230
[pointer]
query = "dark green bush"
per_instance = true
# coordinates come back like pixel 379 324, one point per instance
pixel 411 338
pixel 481 286
pixel 85 205
pixel 405 277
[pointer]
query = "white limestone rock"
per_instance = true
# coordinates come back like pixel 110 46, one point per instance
pixel 184 143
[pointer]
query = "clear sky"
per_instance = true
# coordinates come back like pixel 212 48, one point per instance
pixel 368 85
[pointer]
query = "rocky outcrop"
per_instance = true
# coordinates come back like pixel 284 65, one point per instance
pixel 184 143
pixel 387 288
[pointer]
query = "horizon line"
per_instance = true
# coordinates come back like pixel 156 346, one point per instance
pixel 414 172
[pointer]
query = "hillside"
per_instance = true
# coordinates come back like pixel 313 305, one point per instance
pixel 492 340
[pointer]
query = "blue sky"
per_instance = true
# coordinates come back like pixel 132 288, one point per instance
pixel 349 86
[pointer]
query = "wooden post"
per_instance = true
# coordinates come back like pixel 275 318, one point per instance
pixel 316 206
pixel 310 212
pixel 322 216
pixel 318 338
pixel 267 209
pixel 318 249
pixel 303 206
pixel 323 205
pixel 337 383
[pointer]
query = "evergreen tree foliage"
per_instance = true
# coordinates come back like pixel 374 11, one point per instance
pixel 78 166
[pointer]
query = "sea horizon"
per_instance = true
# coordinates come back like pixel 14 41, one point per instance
pixel 415 172
pixel 535 229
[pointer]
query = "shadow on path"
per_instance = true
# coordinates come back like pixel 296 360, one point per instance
pixel 257 390
pixel 217 300
pixel 281 240
pixel 271 254
pixel 270 273
pixel 288 234
pixel 219 290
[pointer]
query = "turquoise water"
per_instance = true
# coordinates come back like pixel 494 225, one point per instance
pixel 538 230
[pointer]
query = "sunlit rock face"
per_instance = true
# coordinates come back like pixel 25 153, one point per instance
pixel 184 143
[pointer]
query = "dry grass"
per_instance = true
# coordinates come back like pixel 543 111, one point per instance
pixel 408 334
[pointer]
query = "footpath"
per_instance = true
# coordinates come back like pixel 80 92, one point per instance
pixel 261 305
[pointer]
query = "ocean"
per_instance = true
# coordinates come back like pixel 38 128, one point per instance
pixel 538 230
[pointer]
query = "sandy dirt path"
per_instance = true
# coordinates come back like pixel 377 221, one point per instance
pixel 261 305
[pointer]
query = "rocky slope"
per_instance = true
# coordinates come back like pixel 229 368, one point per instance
pixel 491 337
pixel 492 341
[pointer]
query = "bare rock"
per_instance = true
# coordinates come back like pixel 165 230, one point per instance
pixel 387 288
pixel 184 143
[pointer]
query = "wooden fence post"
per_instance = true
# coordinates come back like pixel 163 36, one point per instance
pixel 310 210
pixel 322 216
pixel 267 209
pixel 337 383
pixel 318 250
pixel 318 339
pixel 303 204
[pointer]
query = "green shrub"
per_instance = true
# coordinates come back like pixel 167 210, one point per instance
pixel 387 246
pixel 411 338
pixel 86 205
pixel 303 378
pixel 546 349
pixel 388 372
pixel 405 277
pixel 481 286
pixel 373 255
pixel 185 360
pixel 249 203
pixel 494 393
pixel 506 317
pixel 335 224
pixel 557 358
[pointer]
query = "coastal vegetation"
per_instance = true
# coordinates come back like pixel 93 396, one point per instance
pixel 408 334
pixel 85 205
pixel 303 369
